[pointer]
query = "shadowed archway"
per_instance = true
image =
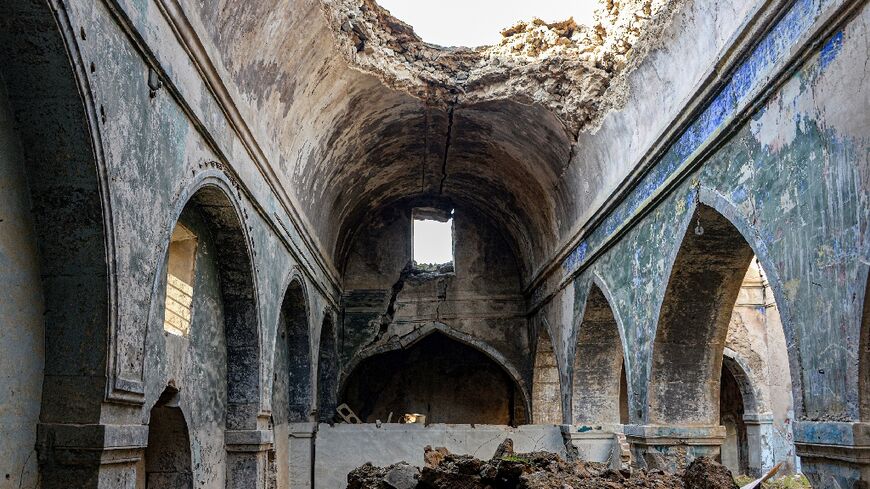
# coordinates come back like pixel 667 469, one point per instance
pixel 693 321
pixel 167 456
pixel 291 386
pixel 444 379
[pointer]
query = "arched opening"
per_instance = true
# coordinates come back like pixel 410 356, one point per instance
pixel 735 449
pixel 54 240
pixel 718 296
pixel 546 403
pixel 215 215
pixel 598 365
pixel 439 377
pixel 693 321
pixel 327 372
pixel 167 456
pixel 864 360
pixel 291 385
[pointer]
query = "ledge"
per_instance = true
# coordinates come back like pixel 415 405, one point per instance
pixel 674 435
pixel 844 434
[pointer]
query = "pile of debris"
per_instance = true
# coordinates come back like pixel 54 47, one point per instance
pixel 536 470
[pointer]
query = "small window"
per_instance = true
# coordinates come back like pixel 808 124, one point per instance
pixel 179 281
pixel 433 238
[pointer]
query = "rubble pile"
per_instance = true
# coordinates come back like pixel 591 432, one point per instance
pixel 536 470
pixel 563 66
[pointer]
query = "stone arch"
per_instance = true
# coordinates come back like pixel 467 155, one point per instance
pixel 546 385
pixel 212 198
pixel 60 179
pixel 693 321
pixel 292 357
pixel 746 429
pixel 63 162
pixel 403 350
pixel 739 369
pixel 599 362
pixel 291 385
pixel 398 343
pixel 705 277
pixel 167 455
pixel 327 370
pixel 864 354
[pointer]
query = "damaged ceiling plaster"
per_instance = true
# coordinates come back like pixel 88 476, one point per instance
pixel 503 118
pixel 567 68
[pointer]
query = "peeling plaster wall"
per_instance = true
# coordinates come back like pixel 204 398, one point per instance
pixel 794 179
pixel 656 91
pixel 22 351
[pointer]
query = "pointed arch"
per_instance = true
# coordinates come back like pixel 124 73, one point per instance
pixel 291 379
pixel 599 361
pixel 739 369
pixel 292 399
pixel 705 278
pixel 213 202
pixel 448 380
pixel 63 163
pixel 687 355
pixel 398 343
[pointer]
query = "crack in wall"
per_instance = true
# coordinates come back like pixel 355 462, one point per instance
pixel 446 147
pixel 575 71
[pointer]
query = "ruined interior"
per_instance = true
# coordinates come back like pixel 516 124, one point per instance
pixel 653 229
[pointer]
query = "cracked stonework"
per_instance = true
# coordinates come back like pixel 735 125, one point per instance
pixel 575 71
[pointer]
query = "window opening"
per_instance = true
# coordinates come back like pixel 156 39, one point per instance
pixel 179 281
pixel 433 238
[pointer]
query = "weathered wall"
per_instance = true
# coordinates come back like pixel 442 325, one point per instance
pixel 793 179
pixel 387 305
pixel 21 309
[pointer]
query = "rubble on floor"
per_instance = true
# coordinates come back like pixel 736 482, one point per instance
pixel 536 470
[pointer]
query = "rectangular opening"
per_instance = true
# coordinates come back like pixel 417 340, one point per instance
pixel 180 271
pixel 433 237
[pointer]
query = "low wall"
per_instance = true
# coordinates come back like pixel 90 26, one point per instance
pixel 343 447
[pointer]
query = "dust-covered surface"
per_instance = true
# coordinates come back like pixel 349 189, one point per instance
pixel 562 66
pixel 536 470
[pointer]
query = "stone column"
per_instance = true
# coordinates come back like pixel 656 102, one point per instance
pixel 834 455
pixel 759 430
pixel 672 447
pixel 248 458
pixel 302 455
pixel 94 456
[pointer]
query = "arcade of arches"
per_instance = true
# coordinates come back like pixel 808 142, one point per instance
pixel 658 240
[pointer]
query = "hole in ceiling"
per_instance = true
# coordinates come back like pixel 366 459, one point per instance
pixel 480 22
pixel 433 237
